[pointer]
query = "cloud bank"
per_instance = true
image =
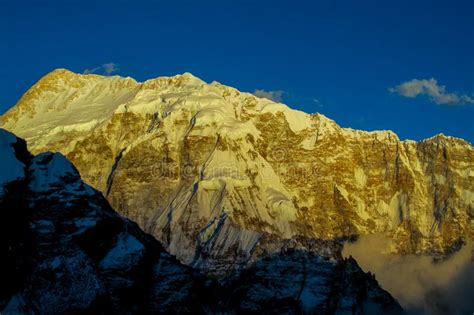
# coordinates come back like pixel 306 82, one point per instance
pixel 276 96
pixel 106 68
pixel 420 285
pixel 436 93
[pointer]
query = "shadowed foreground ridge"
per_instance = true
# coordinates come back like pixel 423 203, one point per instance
pixel 64 250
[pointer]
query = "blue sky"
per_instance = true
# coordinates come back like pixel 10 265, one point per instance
pixel 339 58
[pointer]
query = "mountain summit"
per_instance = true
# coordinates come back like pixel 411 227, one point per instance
pixel 219 176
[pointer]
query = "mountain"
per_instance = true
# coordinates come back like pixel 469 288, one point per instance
pixel 66 251
pixel 219 176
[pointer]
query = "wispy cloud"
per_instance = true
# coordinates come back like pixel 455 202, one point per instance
pixel 106 68
pixel 417 282
pixel 317 102
pixel 276 96
pixel 437 93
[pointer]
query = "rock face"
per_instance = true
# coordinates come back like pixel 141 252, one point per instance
pixel 297 282
pixel 64 250
pixel 209 170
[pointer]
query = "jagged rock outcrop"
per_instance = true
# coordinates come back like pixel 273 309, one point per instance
pixel 208 170
pixel 294 281
pixel 64 250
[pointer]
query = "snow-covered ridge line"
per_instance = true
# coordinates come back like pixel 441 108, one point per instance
pixel 298 120
pixel 63 80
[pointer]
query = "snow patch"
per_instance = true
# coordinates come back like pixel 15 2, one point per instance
pixel 360 176
pixel 468 197
pixel 49 173
pixel 79 127
pixel 398 206
pixel 309 143
pixel 297 120
pixel 127 252
pixel 85 222
pixel 280 205
pixel 44 226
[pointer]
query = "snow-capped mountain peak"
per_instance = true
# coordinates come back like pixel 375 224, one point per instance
pixel 210 170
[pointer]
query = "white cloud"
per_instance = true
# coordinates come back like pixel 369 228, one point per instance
pixel 437 93
pixel 315 100
pixel 421 285
pixel 106 68
pixel 110 68
pixel 276 96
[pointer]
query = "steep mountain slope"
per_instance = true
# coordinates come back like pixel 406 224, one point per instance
pixel 210 171
pixel 64 250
